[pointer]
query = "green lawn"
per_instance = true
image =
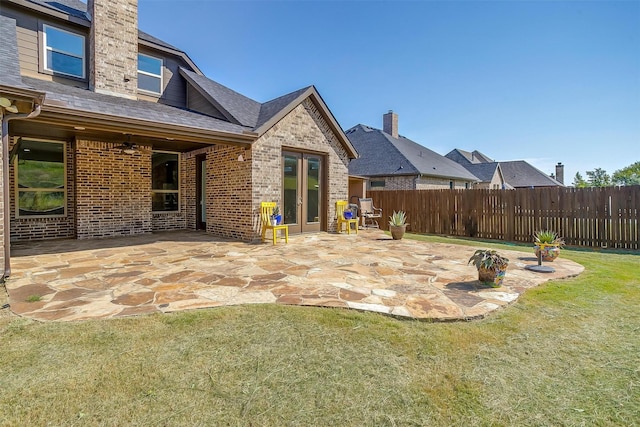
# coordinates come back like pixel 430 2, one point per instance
pixel 567 353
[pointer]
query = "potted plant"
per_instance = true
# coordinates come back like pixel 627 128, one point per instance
pixel 491 266
pixel 276 218
pixel 398 224
pixel 547 244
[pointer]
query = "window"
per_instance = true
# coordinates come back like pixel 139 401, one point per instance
pixel 40 179
pixel 451 185
pixel 63 52
pixel 377 184
pixel 164 181
pixel 149 74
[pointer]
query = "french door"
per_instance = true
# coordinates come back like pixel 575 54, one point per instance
pixel 303 191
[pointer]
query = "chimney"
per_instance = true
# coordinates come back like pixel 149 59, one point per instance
pixel 113 47
pixel 560 173
pixel 390 123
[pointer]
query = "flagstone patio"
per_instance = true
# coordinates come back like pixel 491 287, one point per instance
pixel 171 271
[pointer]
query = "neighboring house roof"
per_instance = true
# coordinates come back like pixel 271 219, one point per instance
pixel 383 155
pixel 516 173
pixel 468 157
pixel 484 171
pixel 519 173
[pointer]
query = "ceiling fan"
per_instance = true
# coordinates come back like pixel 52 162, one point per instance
pixel 7 105
pixel 128 147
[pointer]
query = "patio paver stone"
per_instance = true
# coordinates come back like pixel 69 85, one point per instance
pixel 181 270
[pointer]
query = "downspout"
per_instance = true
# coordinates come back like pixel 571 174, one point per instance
pixel 5 180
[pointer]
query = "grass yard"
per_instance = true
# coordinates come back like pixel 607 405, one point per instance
pixel 567 353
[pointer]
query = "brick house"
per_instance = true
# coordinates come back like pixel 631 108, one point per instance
pixel 112 132
pixel 389 161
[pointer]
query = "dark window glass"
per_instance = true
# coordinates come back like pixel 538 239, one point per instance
pixel 164 181
pixel 40 178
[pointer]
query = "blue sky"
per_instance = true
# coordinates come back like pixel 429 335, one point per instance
pixel 543 81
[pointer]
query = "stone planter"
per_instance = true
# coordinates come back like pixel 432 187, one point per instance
pixel 548 252
pixel 397 231
pixel 492 277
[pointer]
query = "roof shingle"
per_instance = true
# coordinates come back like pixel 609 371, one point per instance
pixel 383 155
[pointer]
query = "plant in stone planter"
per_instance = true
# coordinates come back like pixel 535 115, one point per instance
pixel 276 218
pixel 547 244
pixel 398 224
pixel 491 266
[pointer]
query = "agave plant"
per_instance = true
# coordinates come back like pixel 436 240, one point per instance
pixel 547 237
pixel 398 218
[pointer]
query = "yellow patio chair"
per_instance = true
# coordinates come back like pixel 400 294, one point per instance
pixel 341 207
pixel 266 211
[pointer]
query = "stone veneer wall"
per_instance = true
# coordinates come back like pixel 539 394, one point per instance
pixel 45 228
pixel 113 47
pixel 304 129
pixel 113 191
pixel 434 183
pixel 392 183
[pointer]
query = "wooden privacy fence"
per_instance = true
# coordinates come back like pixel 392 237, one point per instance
pixel 592 217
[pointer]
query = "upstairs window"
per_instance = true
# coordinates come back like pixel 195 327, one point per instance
pixel 149 74
pixel 40 179
pixel 164 181
pixel 64 52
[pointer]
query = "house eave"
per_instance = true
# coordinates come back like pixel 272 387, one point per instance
pixel 58 116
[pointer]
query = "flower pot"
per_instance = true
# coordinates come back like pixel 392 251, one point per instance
pixel 397 231
pixel 491 277
pixel 548 252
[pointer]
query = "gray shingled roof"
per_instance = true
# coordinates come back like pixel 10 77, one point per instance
pixel 88 101
pixel 519 173
pixel 70 7
pixel 270 108
pixel 380 154
pixel 484 171
pixel 242 109
pixel 9 65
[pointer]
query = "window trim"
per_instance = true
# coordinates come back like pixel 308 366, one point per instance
pixel 47 67
pixel 17 188
pixel 146 73
pixel 178 191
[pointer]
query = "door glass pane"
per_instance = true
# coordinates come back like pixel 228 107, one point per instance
pixel 290 208
pixel 203 190
pixel 313 189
